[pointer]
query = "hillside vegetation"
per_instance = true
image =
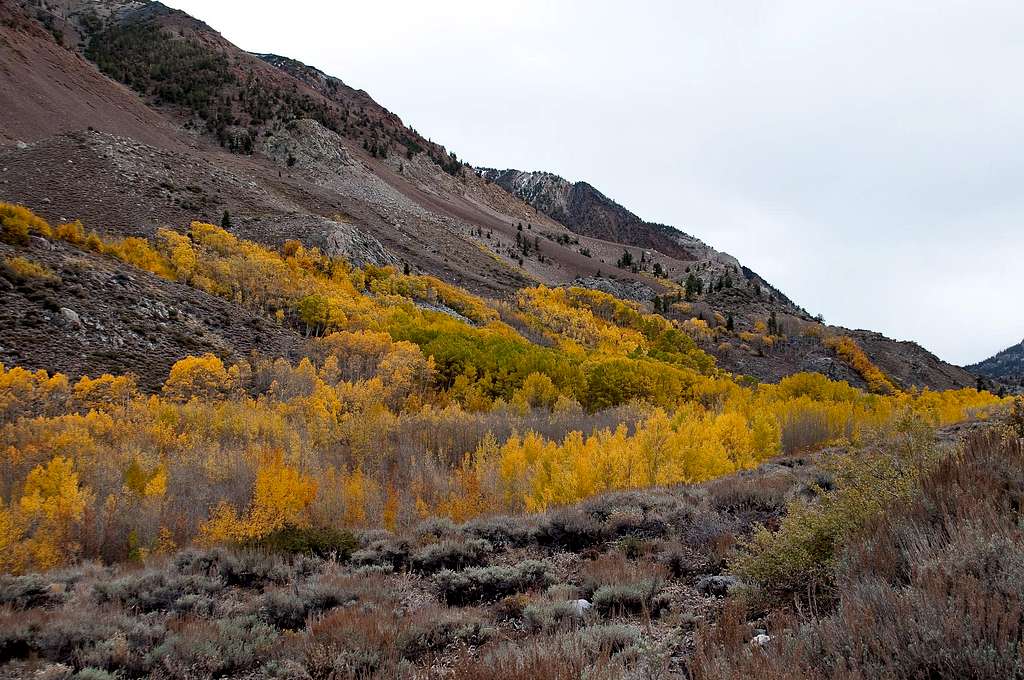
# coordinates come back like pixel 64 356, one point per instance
pixel 414 399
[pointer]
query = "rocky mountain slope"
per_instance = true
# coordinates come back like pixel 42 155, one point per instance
pixel 1006 366
pixel 90 315
pixel 588 212
pixel 132 116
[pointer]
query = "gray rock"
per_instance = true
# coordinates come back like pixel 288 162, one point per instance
pixel 71 316
pixel 580 607
pixel 444 309
pixel 717 586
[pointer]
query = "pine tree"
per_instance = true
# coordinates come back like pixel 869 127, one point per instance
pixel 225 221
pixel 693 286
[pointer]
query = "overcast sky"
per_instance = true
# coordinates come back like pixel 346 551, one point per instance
pixel 866 157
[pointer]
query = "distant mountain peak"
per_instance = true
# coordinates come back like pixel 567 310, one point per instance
pixel 1006 366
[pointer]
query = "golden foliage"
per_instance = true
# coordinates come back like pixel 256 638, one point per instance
pixel 197 377
pixel 17 222
pixel 398 410
pixel 53 503
pixel 25 270
pixel 851 353
pixel 281 497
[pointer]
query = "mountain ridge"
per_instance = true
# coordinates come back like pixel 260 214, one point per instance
pixel 1006 366
pixel 185 126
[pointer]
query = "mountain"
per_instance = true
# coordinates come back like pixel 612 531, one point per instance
pixel 133 116
pixel 1007 366
pixel 588 212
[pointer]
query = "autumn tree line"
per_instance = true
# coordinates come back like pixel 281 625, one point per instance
pixel 397 412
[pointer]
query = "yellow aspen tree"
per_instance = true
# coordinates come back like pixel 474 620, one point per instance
pixel 53 502
pixel 223 526
pixel 354 485
pixel 652 449
pixel 179 251
pixel 281 497
pixel 12 556
pixel 392 501
pixel 767 437
pixel 204 377
pixel 731 430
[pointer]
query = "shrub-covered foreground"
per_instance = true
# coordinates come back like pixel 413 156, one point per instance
pixel 904 558
pixel 604 589
pixel 918 573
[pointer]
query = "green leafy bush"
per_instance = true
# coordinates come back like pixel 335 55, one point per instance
pixel 800 556
pixel 325 542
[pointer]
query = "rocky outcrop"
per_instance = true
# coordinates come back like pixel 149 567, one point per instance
pixel 624 290
pixel 588 212
pixel 356 246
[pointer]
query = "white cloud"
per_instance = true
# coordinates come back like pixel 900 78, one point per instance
pixel 865 156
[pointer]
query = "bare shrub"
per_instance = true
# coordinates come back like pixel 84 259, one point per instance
pixel 614 569
pixel 545 617
pixel 566 656
pixel 288 608
pixel 572 530
pixel 355 642
pixel 392 552
pixel 805 430
pixel 153 590
pixel 247 569
pixel 631 599
pixel 763 494
pixel 501 532
pixel 29 591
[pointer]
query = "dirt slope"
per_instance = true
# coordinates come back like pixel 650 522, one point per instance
pixel 47 89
